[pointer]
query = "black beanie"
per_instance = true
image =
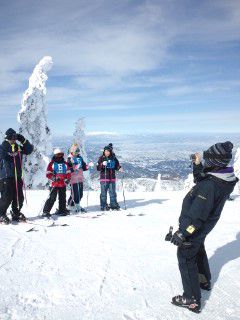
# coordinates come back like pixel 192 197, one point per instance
pixel 109 147
pixel 218 155
pixel 11 134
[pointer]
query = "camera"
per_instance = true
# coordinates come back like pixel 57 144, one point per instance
pixel 193 157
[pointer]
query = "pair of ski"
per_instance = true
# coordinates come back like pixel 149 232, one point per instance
pixel 53 224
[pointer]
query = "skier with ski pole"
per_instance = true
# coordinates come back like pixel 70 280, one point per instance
pixel 201 210
pixel 11 174
pixel 58 171
pixel 77 166
pixel 107 165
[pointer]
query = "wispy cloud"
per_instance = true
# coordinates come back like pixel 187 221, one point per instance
pixel 117 55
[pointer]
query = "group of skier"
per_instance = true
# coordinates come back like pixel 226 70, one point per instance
pixel 201 208
pixel 61 172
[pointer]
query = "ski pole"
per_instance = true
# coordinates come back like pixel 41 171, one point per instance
pixel 125 207
pixel 15 171
pixel 39 213
pixel 24 185
pixel 89 184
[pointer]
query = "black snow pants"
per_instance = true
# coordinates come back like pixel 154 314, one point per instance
pixel 61 192
pixel 11 194
pixel 193 264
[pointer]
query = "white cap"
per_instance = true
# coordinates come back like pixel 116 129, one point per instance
pixel 57 151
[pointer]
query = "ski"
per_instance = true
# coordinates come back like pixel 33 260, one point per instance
pixel 32 229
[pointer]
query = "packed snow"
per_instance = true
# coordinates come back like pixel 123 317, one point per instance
pixel 112 267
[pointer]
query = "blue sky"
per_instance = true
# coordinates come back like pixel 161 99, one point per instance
pixel 126 66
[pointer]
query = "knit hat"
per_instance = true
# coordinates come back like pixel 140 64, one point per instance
pixel 58 151
pixel 11 134
pixel 218 155
pixel 109 147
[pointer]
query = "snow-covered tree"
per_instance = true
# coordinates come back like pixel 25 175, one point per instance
pixel 188 183
pixel 237 166
pixel 2 136
pixel 79 138
pixel 158 186
pixel 34 125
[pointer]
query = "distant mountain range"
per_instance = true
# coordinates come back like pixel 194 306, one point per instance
pixel 147 155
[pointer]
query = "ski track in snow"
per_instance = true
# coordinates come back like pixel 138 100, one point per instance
pixel 112 268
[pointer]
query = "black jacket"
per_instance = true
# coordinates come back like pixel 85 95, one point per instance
pixel 107 174
pixel 202 206
pixel 7 156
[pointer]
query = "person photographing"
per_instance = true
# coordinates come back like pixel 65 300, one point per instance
pixel 201 210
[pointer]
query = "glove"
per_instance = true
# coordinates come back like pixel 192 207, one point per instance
pixel 66 181
pixel 178 239
pixel 91 164
pixel 169 235
pixel 20 138
pixel 104 163
pixel 55 179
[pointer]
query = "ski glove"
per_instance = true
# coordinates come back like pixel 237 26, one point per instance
pixel 104 163
pixel 178 239
pixel 91 164
pixel 169 235
pixel 55 179
pixel 21 138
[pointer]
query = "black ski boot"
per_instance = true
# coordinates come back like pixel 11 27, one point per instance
pixel 106 208
pixel 116 207
pixel 20 217
pixel 46 215
pixel 206 285
pixel 4 219
pixel 66 212
pixel 190 304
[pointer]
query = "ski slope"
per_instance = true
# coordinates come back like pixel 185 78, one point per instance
pixel 114 267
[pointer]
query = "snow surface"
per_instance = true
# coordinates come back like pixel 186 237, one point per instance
pixel 115 267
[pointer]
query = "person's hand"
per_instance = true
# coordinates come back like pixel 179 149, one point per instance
pixel 121 169
pixel 104 163
pixel 198 158
pixel 169 235
pixel 20 138
pixel 67 181
pixel 178 238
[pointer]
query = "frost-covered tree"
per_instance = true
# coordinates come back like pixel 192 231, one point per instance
pixel 188 183
pixel 158 186
pixel 2 137
pixel 237 166
pixel 79 138
pixel 34 125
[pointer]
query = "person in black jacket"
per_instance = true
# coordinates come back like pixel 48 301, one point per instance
pixel 11 174
pixel 107 165
pixel 201 209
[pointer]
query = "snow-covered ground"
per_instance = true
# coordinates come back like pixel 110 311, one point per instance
pixel 114 267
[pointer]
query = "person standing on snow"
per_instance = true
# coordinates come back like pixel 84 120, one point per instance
pixel 107 165
pixel 58 172
pixel 11 175
pixel 201 209
pixel 77 166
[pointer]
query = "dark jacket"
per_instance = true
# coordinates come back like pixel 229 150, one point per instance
pixel 107 174
pixel 202 206
pixel 7 156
